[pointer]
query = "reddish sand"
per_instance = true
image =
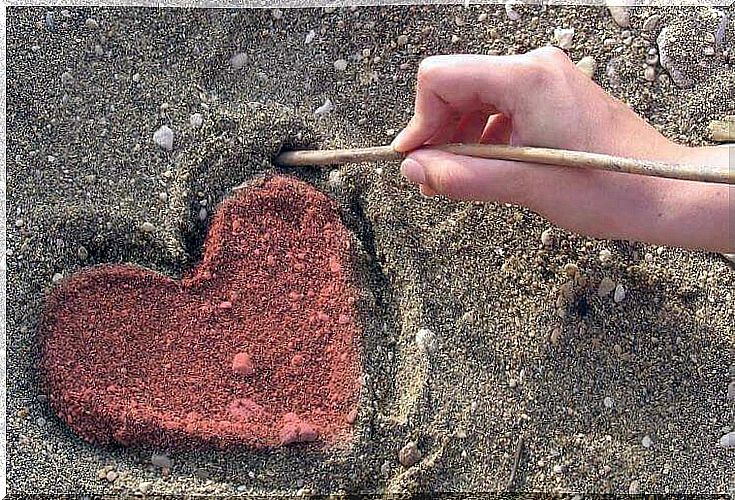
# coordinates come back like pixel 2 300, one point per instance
pixel 256 347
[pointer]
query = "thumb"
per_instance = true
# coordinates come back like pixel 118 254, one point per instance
pixel 467 178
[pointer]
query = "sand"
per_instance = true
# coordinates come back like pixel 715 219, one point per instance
pixel 582 378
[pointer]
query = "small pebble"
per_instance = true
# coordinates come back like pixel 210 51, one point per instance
pixel 57 277
pixel 340 64
pixel 547 237
pixel 608 402
pixel 558 469
pixel 161 461
pixel 455 39
pixel 91 23
pixel 709 51
pixel 66 78
pixel 563 37
pixel 728 440
pixel 136 77
pixel 147 227
pixel 310 37
pixel 242 364
pixel 335 178
pixel 510 11
pixel 571 269
pixel 98 51
pixel 587 65
pixel 19 222
pixel 409 454
pixel 651 23
pixel 634 488
pixel 196 120
pixel 202 214
pixel 164 138
pixel 619 294
pixel 277 13
pixel 163 197
pixel 82 253
pixel 239 60
pixel 426 341
pixel 482 17
pixel 620 14
pixel 605 256
pixel 324 108
pixel 402 40
pixel 652 59
pixel 650 73
pixel 145 486
pixel 606 286
pixel 111 476
pixel 647 442
pixel 555 336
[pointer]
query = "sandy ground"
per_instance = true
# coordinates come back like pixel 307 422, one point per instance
pixel 607 396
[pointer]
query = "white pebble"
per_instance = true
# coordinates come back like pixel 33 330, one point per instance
pixel 620 14
pixel 402 40
pixel 310 37
pixel 634 488
pixel 512 14
pixel 340 64
pixel 324 108
pixel 277 13
pixel 455 39
pixel 163 197
pixel 650 73
pixel 547 237
pixel 558 469
pixel 482 17
pixel 335 178
pixel 57 277
pixel 619 294
pixel 605 256
pixel 66 78
pixel 98 50
pixel 164 138
pixel 196 120
pixel 147 227
pixel 563 37
pixel 91 23
pixel 728 440
pixel 647 442
pixel 239 60
pixel 136 77
pixel 651 23
pixel 426 341
pixel 19 222
pixel 202 214
pixel 587 65
pixel 608 402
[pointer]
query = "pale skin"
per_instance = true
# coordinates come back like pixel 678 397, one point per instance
pixel 541 99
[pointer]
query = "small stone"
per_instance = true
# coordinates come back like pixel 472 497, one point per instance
pixel 340 64
pixel 147 227
pixel 57 277
pixel 202 214
pixel 426 341
pixel 242 364
pixel 571 269
pixel 510 11
pixel 647 442
pixel 161 461
pixel 606 286
pixel 324 108
pixel 619 294
pixel 547 237
pixel 634 488
pixel 512 383
pixel 136 77
pixel 482 17
pixel 196 120
pixel 409 455
pixel 402 40
pixel 238 61
pixel 91 23
pixel 731 391
pixel 620 14
pixel 563 37
pixel 608 402
pixel 728 440
pixel 651 23
pixel 605 256
pixel 82 253
pixel 66 78
pixel 277 13
pixel 709 51
pixel 455 39
pixel 310 37
pixel 555 336
pixel 652 58
pixel 145 486
pixel 19 222
pixel 164 138
pixel 587 65
pixel 335 178
pixel 163 197
pixel 558 469
pixel 650 73
pixel 111 476
pixel 98 51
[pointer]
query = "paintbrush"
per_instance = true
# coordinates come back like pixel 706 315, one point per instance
pixel 545 156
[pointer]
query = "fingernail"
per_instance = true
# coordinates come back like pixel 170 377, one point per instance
pixel 396 142
pixel 413 171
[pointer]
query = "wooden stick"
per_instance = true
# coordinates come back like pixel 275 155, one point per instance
pixel 546 156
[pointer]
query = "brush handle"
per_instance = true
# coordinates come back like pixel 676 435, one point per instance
pixel 546 156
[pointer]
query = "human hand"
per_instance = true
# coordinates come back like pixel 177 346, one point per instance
pixel 541 99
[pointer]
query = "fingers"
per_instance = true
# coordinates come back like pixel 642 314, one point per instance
pixel 466 178
pixel 460 85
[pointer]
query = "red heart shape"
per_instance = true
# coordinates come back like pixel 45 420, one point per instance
pixel 257 346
